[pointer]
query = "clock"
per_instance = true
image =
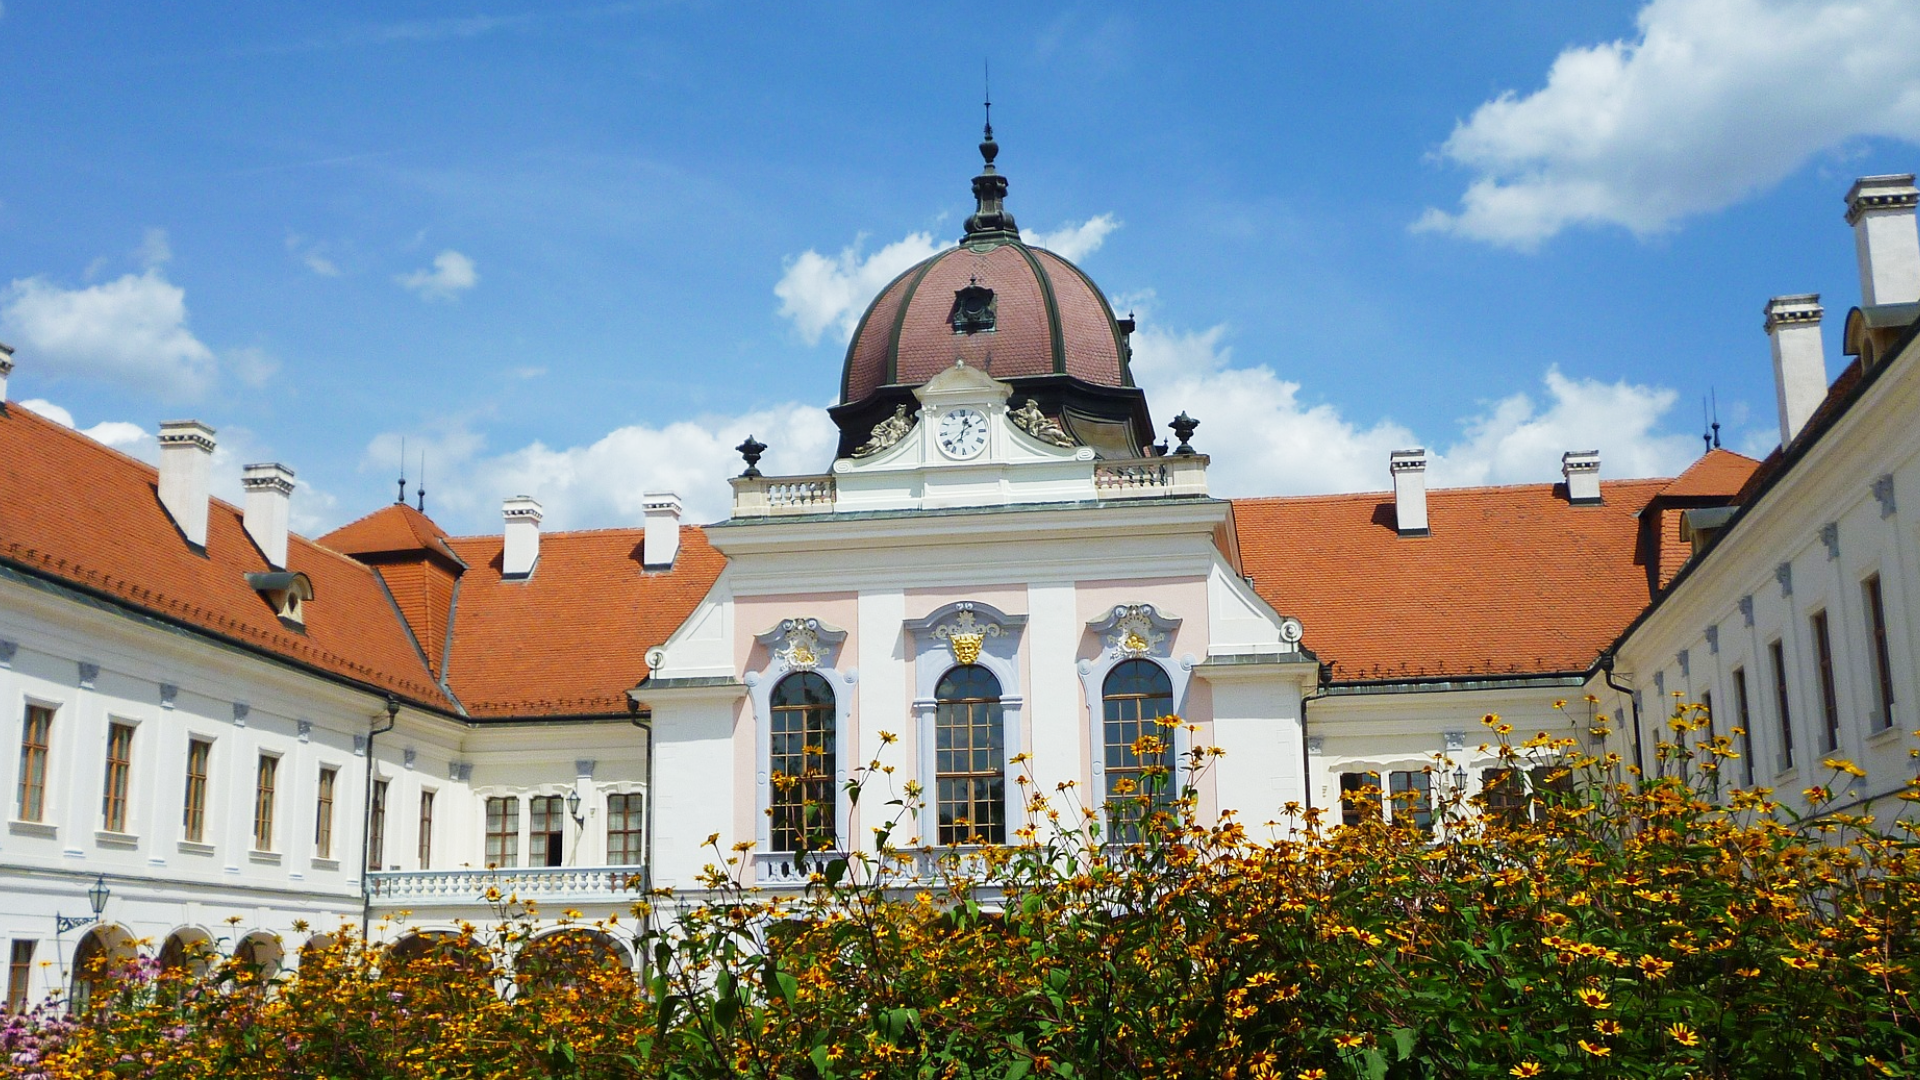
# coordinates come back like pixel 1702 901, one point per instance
pixel 963 433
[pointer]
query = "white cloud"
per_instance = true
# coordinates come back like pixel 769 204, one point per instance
pixel 122 436
pixel 131 331
pixel 312 255
pixel 819 293
pixel 1710 101
pixel 452 274
pixel 154 249
pixel 251 365
pixel 1265 441
pixel 1073 242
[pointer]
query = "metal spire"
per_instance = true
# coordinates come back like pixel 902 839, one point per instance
pixel 402 500
pixel 990 220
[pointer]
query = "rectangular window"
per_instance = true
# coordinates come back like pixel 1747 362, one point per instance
pixel 263 787
pixel 33 763
pixel 503 832
pixel 1829 695
pixel 323 814
pixel 1743 716
pixel 1411 794
pixel 19 975
pixel 426 829
pixel 624 835
pixel 1359 797
pixel 1706 706
pixel 193 812
pixel 548 842
pixel 1882 656
pixel 1503 795
pixel 113 795
pixel 1778 654
pixel 377 828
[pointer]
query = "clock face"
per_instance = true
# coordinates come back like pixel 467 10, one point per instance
pixel 963 433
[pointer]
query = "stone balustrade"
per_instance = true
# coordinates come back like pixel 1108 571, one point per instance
pixel 575 884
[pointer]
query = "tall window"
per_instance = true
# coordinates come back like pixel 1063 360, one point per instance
pixel 193 812
pixel 1359 797
pixel 113 795
pixel 1778 654
pixel 377 828
pixel 19 974
pixel 801 766
pixel 263 787
pixel 33 762
pixel 970 758
pixel 503 832
pixel 548 845
pixel 426 829
pixel 323 814
pixel 1706 706
pixel 625 838
pixel 1743 715
pixel 1829 698
pixel 1882 656
pixel 1411 794
pixel 1136 695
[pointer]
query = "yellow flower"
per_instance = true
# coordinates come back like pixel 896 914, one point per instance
pixel 1347 1042
pixel 1596 1051
pixel 1313 1074
pixel 1655 968
pixel 1607 1027
pixel 1593 999
pixel 1683 1035
pixel 1526 1069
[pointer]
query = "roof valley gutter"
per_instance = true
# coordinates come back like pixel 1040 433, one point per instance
pixel 446 648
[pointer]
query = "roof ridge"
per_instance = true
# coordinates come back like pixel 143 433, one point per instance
pixel 1624 481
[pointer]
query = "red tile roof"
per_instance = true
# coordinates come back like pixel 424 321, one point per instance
pixel 1718 474
pixel 394 529
pixel 77 511
pixel 1512 581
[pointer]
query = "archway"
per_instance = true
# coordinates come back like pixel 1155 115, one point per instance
pixel 189 951
pixel 97 961
pixel 259 955
pixel 570 958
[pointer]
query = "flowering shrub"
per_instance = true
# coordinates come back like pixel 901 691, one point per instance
pixel 1615 926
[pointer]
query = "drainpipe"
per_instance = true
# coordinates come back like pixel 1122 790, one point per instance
pixel 642 718
pixel 366 820
pixel 1320 690
pixel 1633 702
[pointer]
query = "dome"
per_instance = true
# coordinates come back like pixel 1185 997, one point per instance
pixel 1022 314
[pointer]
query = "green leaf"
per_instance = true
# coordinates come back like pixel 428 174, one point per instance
pixel 822 1064
pixel 1403 1040
pixel 836 870
pixel 1376 1064
pixel 1019 1069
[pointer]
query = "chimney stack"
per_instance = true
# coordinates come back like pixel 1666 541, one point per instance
pixel 522 548
pixel 269 488
pixel 1799 359
pixel 6 369
pixel 663 529
pixel 1880 209
pixel 186 459
pixel 1409 468
pixel 1581 470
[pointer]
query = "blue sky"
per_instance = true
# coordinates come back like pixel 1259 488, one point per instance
pixel 579 251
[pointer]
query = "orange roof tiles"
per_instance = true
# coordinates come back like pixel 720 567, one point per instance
pixel 573 637
pixel 1513 580
pixel 1718 474
pixel 75 510
pixel 393 529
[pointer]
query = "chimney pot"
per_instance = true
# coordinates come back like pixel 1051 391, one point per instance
pixel 522 547
pixel 186 460
pixel 1581 470
pixel 662 542
pixel 1799 359
pixel 1409 468
pixel 269 487
pixel 1881 211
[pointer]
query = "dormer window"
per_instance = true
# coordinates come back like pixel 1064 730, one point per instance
pixel 286 593
pixel 974 309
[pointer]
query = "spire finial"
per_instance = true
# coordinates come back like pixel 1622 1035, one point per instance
pixel 988 148
pixel 990 220
pixel 402 500
pixel 420 488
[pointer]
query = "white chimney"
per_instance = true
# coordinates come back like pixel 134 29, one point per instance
pixel 1409 468
pixel 1581 469
pixel 522 548
pixel 6 369
pixel 663 529
pixel 1880 209
pixel 186 457
pixel 269 488
pixel 1799 359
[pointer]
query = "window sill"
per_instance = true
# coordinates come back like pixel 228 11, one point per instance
pixel 265 858
pixel 1882 736
pixel 33 828
pixel 106 838
pixel 195 847
pixel 325 864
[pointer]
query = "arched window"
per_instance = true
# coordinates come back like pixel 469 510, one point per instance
pixel 1137 693
pixel 970 758
pixel 801 768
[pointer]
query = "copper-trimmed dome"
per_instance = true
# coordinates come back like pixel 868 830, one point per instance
pixel 1019 313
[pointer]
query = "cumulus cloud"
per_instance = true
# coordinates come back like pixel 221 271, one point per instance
pixel 1265 440
pixel 132 331
pixel 1710 101
pixel 452 274
pixel 1073 242
pixel 312 255
pixel 155 249
pixel 820 293
pixel 122 436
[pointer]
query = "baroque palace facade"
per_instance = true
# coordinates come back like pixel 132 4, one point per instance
pixel 222 734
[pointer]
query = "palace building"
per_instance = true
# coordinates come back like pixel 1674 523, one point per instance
pixel 225 731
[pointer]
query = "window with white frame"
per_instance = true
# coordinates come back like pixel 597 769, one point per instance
pixel 503 831
pixel 800 764
pixel 1137 749
pixel 36 737
pixel 970 776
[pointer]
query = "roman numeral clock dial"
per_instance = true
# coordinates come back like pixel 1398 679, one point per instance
pixel 963 433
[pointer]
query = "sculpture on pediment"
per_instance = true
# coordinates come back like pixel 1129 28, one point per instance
pixel 1131 631
pixel 886 433
pixel 801 644
pixel 966 634
pixel 1030 419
